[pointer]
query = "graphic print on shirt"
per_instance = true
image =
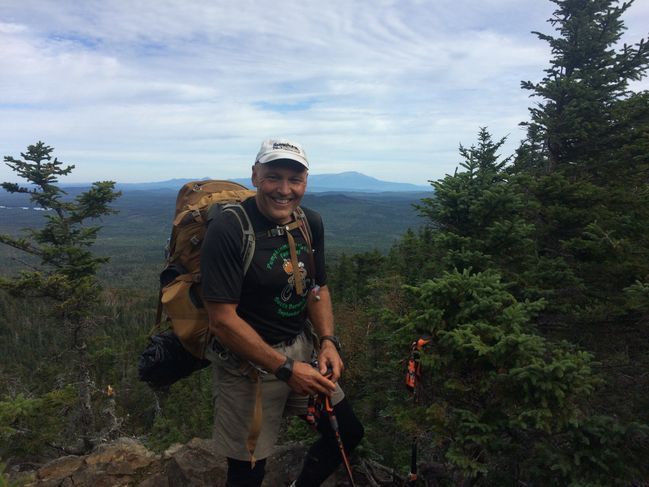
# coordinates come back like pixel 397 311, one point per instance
pixel 282 256
pixel 287 292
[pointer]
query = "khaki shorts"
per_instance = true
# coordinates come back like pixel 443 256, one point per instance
pixel 235 395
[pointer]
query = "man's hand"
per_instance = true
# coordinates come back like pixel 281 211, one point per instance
pixel 306 380
pixel 330 361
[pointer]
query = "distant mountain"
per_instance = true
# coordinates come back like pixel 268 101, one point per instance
pixel 355 181
pixel 342 182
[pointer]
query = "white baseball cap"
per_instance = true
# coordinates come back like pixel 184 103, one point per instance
pixel 275 149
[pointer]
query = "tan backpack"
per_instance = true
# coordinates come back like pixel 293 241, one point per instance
pixel 180 290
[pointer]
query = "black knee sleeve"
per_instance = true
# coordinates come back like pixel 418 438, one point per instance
pixel 351 429
pixel 240 473
pixel 324 455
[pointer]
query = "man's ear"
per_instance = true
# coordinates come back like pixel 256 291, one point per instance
pixel 254 178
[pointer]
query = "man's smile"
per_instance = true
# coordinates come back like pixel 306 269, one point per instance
pixel 282 201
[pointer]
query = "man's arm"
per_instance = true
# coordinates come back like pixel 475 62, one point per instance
pixel 322 316
pixel 237 335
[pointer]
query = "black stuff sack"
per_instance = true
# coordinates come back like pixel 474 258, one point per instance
pixel 165 361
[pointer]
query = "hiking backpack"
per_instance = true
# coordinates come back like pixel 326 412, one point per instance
pixel 180 291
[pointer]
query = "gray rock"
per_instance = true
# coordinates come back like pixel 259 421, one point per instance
pixel 126 462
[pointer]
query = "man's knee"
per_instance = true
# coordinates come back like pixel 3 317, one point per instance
pixel 351 429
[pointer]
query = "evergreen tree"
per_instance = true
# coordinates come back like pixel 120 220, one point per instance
pixel 500 404
pixel 66 273
pixel 477 215
pixel 584 170
pixel 411 256
pixel 576 116
pixel 352 275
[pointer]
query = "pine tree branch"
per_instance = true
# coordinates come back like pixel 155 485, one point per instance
pixel 26 264
pixel 20 244
pixel 14 188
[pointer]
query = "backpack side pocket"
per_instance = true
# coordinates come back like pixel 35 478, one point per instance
pixel 183 305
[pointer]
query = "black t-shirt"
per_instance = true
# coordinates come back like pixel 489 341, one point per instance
pixel 266 295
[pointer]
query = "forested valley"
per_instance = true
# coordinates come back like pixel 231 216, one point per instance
pixel 526 274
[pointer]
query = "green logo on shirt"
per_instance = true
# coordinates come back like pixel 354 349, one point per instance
pixel 282 256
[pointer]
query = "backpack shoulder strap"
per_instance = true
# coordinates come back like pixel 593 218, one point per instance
pixel 248 243
pixel 305 228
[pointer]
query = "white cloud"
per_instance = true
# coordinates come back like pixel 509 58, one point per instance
pixel 157 89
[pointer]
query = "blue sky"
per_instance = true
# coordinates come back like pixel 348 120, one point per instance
pixel 153 89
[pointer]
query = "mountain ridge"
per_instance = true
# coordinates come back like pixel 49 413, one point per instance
pixel 345 181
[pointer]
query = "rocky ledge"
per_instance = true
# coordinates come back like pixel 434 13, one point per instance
pixel 126 462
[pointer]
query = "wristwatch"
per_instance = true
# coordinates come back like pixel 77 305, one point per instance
pixel 333 339
pixel 285 371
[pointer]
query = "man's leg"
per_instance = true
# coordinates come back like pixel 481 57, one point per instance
pixel 324 455
pixel 241 475
pixel 234 404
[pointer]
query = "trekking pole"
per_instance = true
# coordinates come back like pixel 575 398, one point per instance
pixel 412 475
pixel 315 407
pixel 413 379
pixel 334 425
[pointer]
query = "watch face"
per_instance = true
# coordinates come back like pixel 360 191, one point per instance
pixel 283 373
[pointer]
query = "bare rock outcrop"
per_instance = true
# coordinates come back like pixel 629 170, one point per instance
pixel 126 462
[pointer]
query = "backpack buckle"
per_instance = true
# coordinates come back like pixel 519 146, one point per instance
pixel 277 231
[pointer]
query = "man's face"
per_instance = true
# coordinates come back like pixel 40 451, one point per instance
pixel 280 188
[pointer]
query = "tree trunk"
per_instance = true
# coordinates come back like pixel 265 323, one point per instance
pixel 84 412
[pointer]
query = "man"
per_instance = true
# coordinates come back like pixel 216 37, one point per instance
pixel 264 318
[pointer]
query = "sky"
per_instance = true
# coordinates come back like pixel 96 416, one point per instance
pixel 150 90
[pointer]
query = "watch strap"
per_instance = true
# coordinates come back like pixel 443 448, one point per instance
pixel 333 339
